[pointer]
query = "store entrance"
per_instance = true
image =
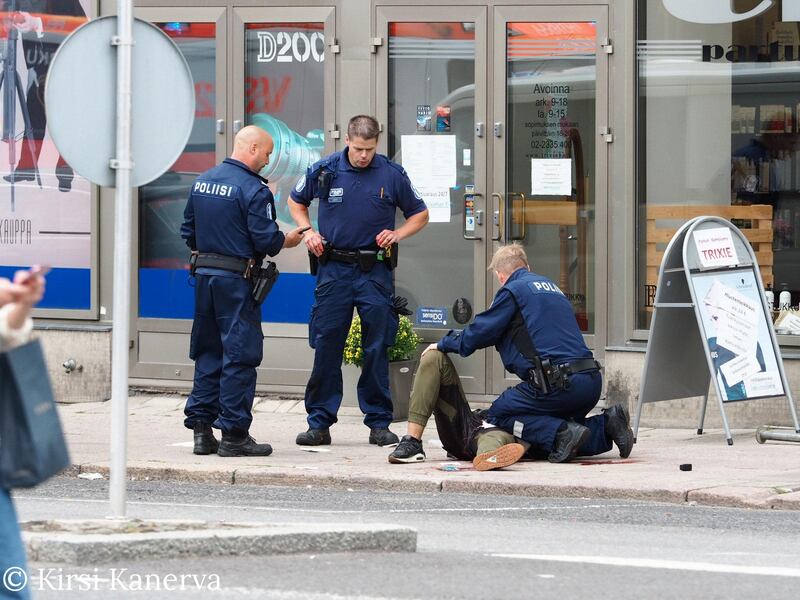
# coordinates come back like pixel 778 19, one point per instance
pixel 497 116
pixel 550 146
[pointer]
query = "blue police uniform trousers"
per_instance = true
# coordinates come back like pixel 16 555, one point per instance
pixel 12 552
pixel 227 346
pixel 340 288
pixel 540 415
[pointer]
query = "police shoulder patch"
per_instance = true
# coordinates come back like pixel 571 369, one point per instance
pixel 396 167
pixel 417 195
pixel 300 185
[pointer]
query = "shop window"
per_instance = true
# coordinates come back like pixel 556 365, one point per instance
pixel 284 84
pixel 719 130
pixel 163 256
pixel 45 208
pixel 431 112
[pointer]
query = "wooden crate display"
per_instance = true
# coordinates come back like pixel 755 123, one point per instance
pixel 665 219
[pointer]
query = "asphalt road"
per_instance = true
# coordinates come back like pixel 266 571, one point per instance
pixel 469 547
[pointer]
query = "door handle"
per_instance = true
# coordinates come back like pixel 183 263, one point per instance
pixel 474 195
pixel 511 235
pixel 498 217
pixel 237 125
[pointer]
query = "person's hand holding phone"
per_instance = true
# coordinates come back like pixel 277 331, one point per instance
pixel 32 284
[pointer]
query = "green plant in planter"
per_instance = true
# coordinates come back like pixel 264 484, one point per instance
pixel 404 347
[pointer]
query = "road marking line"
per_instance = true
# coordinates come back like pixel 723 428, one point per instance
pixel 647 563
pixel 330 512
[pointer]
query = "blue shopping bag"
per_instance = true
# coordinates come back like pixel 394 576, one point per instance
pixel 32 445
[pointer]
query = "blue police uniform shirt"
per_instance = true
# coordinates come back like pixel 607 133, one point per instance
pixel 548 317
pixel 361 202
pixel 231 211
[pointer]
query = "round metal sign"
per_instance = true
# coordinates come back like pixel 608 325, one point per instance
pixel 81 99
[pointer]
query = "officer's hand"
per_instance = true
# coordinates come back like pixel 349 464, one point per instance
pixel 313 242
pixel 386 238
pixel 293 238
pixel 431 347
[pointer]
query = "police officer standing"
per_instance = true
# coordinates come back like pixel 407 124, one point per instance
pixel 533 326
pixel 359 192
pixel 229 224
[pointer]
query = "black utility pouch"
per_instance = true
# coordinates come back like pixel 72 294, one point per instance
pixel 391 257
pixel 263 280
pixel 192 264
pixel 367 260
pixel 313 263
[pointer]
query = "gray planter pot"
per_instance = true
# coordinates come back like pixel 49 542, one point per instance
pixel 401 377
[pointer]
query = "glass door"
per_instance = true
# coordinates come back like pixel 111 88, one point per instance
pixel 431 99
pixel 550 151
pixel 283 81
pixel 166 300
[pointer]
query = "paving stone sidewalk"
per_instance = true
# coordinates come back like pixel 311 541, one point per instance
pixel 746 474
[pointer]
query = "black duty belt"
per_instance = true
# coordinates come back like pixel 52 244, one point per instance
pixel 356 256
pixel 344 256
pixel 579 366
pixel 220 261
pixel 366 259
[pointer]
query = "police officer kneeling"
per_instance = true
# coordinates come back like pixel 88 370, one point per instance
pixel 229 224
pixel 532 325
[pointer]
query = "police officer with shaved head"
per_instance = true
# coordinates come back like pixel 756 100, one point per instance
pixel 229 225
pixel 532 325
pixel 354 251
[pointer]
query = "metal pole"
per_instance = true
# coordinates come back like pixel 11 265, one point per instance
pixel 782 434
pixel 122 261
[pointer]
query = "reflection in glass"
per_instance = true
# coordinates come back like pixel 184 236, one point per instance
pixel 550 103
pixel 163 255
pixel 45 208
pixel 432 93
pixel 284 95
pixel 718 135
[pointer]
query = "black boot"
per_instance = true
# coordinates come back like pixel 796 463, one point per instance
pixel 569 438
pixel 618 428
pixel 382 436
pixel 314 437
pixel 241 444
pixel 204 440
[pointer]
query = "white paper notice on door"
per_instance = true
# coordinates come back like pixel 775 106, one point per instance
pixel 429 160
pixel 551 176
pixel 438 202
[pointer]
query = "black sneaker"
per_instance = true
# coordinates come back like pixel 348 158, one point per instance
pixel 618 428
pixel 204 440
pixel 314 437
pixel 409 450
pixel 242 446
pixel 568 441
pixel 382 437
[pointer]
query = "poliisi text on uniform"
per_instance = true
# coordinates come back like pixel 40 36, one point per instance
pixel 213 189
pixel 15 231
